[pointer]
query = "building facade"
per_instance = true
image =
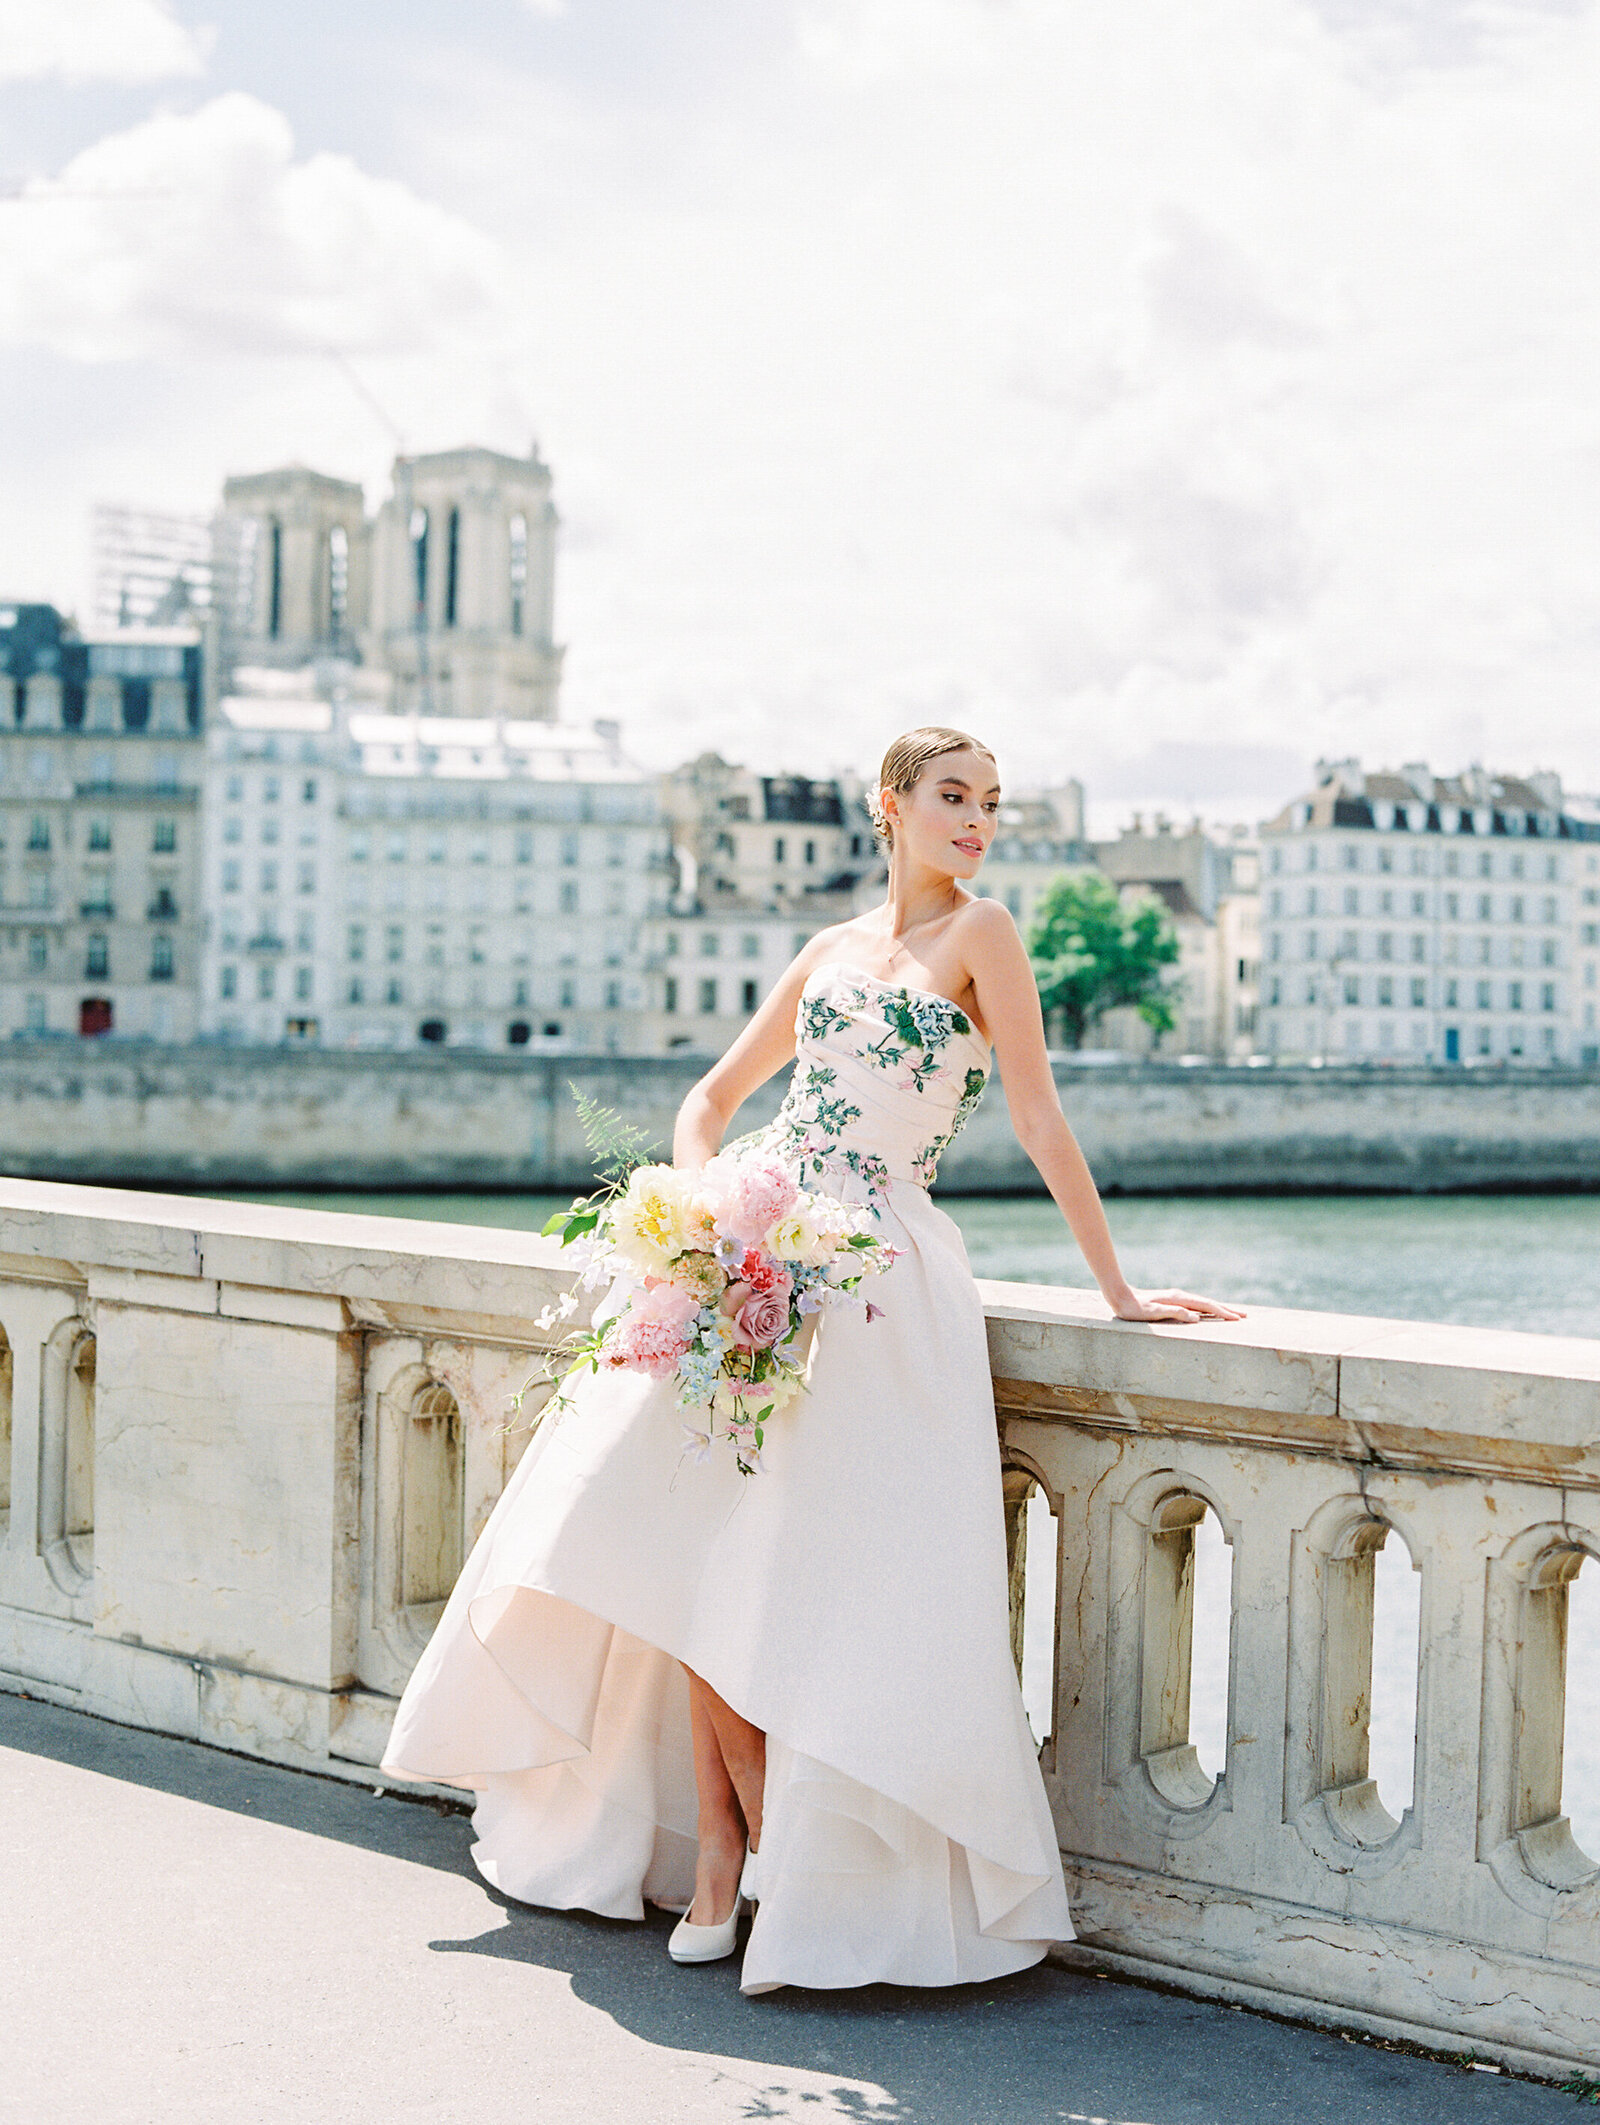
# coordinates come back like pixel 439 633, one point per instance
pixel 1423 918
pixel 100 773
pixel 390 881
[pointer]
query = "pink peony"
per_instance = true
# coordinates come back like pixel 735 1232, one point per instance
pixel 759 1192
pixel 761 1320
pixel 666 1302
pixel 644 1345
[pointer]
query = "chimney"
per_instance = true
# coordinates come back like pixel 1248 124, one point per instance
pixel 1420 776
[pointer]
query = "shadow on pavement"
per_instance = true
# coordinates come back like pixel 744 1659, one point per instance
pixel 1045 2046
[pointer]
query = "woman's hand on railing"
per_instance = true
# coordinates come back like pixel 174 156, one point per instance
pixel 1181 1307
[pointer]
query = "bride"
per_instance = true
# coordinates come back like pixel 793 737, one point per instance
pixel 668 1682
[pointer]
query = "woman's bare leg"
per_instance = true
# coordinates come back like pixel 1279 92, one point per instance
pixel 729 1769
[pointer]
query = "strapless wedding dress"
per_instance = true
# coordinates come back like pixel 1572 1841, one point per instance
pixel 850 1599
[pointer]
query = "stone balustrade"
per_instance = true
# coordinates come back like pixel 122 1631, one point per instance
pixel 244 1450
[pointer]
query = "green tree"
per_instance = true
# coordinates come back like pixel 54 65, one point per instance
pixel 1091 953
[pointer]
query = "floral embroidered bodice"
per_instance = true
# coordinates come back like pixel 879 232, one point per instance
pixel 885 1077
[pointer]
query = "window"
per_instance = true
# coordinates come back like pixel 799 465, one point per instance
pixel 519 571
pixel 1352 857
pixel 1452 995
pixel 97 959
pixel 710 944
pixel 475 944
pixel 1516 865
pixel 810 852
pixel 230 875
pixel 229 983
pixel 356 993
pixel 524 847
pixel 1386 903
pixel 1352 900
pixel 1547 952
pixel 670 994
pixel 356 942
pixel 308 790
pixel 750 945
pixel 1349 947
pixel 100 834
pixel 164 837
pixel 747 996
pixel 1385 859
pixel 394 993
pixel 433 953
pixel 161 958
pixel 1485 864
pixel 1419 947
pixel 1352 988
pixel 302 984
pixel 1385 944
pixel 1514 996
pixel 37 1015
pixel 1419 903
pixel 569 994
pixel 394 944
pixel 39 831
pixel 777 849
pixel 1385 992
pixel 269 831
pixel 270 790
pixel 1452 907
pixel 306 878
pixel 1547 996
pixel 360 848
pixel 396 849
pixel 1549 908
pixel 452 565
pixel 569 896
pixel 1419 995
pixel 233 828
pixel 569 849
pixel 235 790
pixel 708 996
pixel 269 878
pixel 1516 907
pixel 613 996
pixel 1485 996
pixel 38 951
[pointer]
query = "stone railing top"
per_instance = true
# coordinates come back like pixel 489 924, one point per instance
pixel 1414 1394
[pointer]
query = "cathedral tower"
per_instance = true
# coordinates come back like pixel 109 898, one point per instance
pixel 464 585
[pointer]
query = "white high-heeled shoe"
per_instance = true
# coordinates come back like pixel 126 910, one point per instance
pixel 709 1944
pixel 750 1879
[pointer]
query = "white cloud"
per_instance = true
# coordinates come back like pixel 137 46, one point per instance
pixel 201 234
pixel 1126 379
pixel 95 40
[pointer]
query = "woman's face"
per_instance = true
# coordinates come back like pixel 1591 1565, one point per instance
pixel 947 818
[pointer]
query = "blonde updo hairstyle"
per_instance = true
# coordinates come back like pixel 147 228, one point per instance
pixel 903 764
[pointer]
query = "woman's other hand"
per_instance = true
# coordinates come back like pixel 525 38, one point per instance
pixel 1182 1307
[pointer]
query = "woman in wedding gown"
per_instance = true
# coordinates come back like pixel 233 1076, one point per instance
pixel 666 1681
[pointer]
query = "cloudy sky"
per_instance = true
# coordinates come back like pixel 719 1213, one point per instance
pixel 1171 393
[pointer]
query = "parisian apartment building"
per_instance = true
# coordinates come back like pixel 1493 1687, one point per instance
pixel 1430 919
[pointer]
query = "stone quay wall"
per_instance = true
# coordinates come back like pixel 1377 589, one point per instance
pixel 217 1118
pixel 246 1449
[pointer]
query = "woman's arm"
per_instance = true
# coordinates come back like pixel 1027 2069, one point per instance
pixel 764 1046
pixel 1008 1003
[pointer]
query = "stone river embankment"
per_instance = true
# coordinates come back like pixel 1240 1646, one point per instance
pixel 259 1118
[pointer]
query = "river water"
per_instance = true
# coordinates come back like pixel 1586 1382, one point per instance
pixel 1528 1262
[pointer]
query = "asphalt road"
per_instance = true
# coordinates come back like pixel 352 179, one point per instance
pixel 188 1936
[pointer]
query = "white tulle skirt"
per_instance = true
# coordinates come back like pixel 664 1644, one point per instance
pixel 850 1600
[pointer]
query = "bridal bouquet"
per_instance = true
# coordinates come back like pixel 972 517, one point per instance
pixel 719 1272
